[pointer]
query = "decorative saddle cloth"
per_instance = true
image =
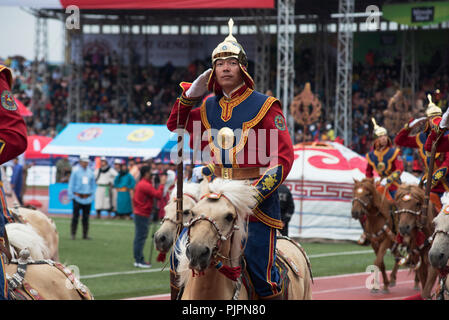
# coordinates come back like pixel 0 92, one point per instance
pixel 283 263
pixel 20 289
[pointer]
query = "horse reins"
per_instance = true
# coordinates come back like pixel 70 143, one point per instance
pixel 362 202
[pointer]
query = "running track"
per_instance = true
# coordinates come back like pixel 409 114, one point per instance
pixel 345 287
pixel 342 287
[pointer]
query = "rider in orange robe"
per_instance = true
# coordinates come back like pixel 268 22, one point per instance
pixel 383 159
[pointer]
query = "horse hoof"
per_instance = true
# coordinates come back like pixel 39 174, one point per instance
pixel 374 290
pixel 385 291
pixel 392 284
pixel 416 288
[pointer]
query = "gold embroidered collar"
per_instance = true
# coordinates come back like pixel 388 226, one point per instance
pixel 227 105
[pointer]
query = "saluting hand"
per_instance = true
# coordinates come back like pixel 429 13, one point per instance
pixel 445 119
pixel 199 86
pixel 414 122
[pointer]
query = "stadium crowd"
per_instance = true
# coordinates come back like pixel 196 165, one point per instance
pixel 155 88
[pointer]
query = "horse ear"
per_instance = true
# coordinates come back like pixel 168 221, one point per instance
pixel 355 180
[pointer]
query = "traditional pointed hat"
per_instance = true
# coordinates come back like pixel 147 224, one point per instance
pixel 378 130
pixel 432 109
pixel 227 49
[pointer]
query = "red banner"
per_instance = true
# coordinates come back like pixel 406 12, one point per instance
pixel 168 4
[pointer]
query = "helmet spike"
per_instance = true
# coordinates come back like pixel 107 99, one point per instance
pixel 230 37
pixel 432 109
pixel 378 130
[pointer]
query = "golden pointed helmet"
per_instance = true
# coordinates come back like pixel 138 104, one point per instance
pixel 432 109
pixel 378 130
pixel 227 49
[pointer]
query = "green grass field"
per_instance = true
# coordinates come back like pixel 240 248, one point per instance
pixel 105 263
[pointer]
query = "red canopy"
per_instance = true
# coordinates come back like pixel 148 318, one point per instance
pixel 24 111
pixel 144 4
pixel 35 146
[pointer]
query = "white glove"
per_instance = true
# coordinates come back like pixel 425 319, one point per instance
pixel 199 86
pixel 444 120
pixel 416 121
pixel 197 174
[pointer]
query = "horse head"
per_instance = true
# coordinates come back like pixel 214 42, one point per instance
pixel 409 200
pixel 362 197
pixel 439 252
pixel 164 237
pixel 218 228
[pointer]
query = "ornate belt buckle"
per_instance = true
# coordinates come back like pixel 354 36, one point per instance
pixel 226 173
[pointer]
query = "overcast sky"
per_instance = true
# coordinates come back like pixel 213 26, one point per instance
pixel 18 31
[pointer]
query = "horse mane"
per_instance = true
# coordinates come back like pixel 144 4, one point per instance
pixel 411 189
pixel 23 236
pixel 40 214
pixel 188 187
pixel 445 199
pixel 442 219
pixel 240 193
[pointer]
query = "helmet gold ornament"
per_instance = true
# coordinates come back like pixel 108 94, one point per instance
pixel 230 48
pixel 432 109
pixel 227 49
pixel 378 130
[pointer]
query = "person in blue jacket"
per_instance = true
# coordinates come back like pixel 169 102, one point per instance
pixel 81 191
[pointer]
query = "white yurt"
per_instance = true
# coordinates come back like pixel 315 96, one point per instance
pixel 321 182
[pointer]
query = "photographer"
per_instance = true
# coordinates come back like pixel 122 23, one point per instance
pixel 143 201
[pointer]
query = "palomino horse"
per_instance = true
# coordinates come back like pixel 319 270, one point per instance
pixel 43 280
pixel 439 251
pixel 165 235
pixel 43 225
pixel 415 233
pixel 379 225
pixel 213 247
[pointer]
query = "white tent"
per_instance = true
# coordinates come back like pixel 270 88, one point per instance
pixel 321 182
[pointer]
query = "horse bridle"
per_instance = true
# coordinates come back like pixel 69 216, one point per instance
pixel 416 213
pixel 176 223
pixel 221 236
pixel 446 233
pixel 362 202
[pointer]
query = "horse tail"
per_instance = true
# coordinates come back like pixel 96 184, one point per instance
pixel 23 236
